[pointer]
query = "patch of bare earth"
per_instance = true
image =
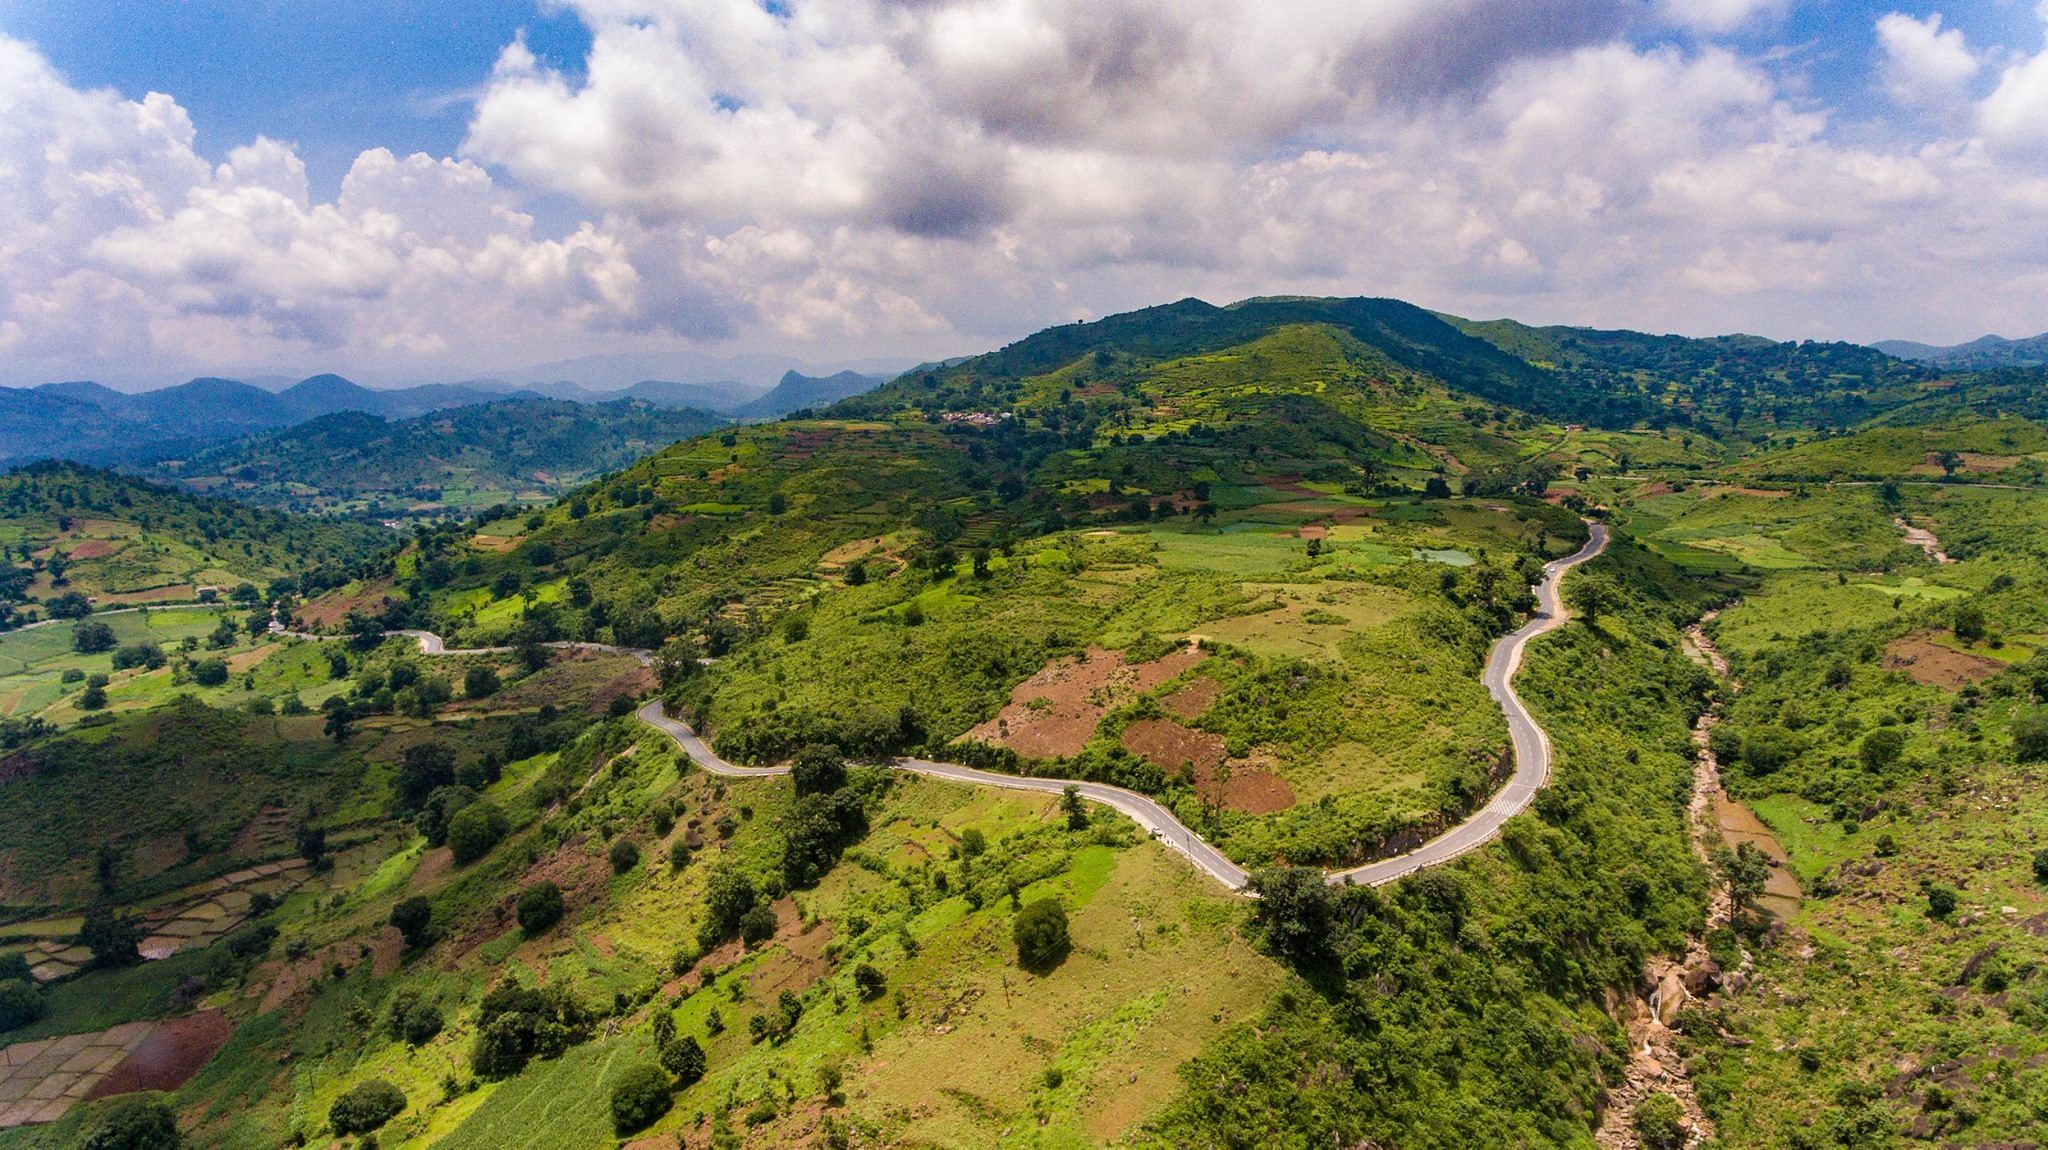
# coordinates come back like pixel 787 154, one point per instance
pixel 1055 711
pixel 96 549
pixel 382 951
pixel 1247 785
pixel 174 1051
pixel 1931 663
pixel 1191 701
pixel 330 610
pixel 1922 538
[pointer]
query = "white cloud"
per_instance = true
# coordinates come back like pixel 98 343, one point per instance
pixel 1715 17
pixel 1923 63
pixel 931 176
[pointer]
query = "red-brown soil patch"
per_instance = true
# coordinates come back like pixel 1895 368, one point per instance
pixel 1174 748
pixel 244 660
pixel 1312 531
pixel 1055 711
pixel 174 1051
pixel 1248 785
pixel 1190 701
pixel 382 951
pixel 96 548
pixel 1648 490
pixel 330 610
pixel 432 866
pixel 1935 665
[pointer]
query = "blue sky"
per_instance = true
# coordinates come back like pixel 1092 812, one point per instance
pixel 411 190
pixel 335 77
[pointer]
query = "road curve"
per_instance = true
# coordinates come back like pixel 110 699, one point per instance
pixel 1531 745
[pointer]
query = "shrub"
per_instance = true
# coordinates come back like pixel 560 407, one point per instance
pixel 474 830
pixel 2030 738
pixel 113 939
pixel 138 655
pixel 91 638
pixel 757 925
pixel 678 855
pixel 870 981
pixel 1040 933
pixel 1880 748
pixel 209 672
pixel 414 919
pixel 2041 865
pixel 1941 901
pixel 480 681
pixel 92 699
pixel 540 907
pixel 728 896
pixel 419 1025
pixel 365 1107
pixel 819 768
pixel 640 1095
pixel 135 1124
pixel 1657 1123
pixel 21 1002
pixel 684 1058
pixel 1968 622
pixel 625 855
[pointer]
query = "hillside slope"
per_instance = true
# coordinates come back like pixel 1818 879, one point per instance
pixel 459 460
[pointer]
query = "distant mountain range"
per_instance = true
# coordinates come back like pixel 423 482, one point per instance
pixel 91 423
pixel 1979 354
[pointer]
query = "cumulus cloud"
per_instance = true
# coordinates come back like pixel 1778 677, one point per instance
pixel 1923 63
pixel 929 176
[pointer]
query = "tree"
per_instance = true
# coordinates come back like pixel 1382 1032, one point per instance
pixel 640 1094
pixel 683 1058
pixel 365 1107
pixel 1297 912
pixel 480 681
pixel 815 831
pixel 474 830
pixel 414 918
pixel 1435 488
pixel 1746 870
pixel 135 1123
pixel 625 855
pixel 340 724
pixel 311 843
pixel 777 503
pixel 1880 748
pixel 540 907
pixel 1072 807
pixel 1657 1124
pixel 92 698
pixel 1591 596
pixel 90 638
pixel 728 896
pixel 114 939
pixel 819 768
pixel 1040 933
pixel 2041 865
pixel 1968 622
pixel 209 672
pixel 2030 738
pixel 425 768
pixel 857 573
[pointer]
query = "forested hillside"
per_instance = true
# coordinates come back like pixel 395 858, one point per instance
pixel 454 462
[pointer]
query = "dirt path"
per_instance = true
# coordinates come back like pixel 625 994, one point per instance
pixel 1922 538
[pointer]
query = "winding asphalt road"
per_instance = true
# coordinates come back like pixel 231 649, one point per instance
pixel 1532 750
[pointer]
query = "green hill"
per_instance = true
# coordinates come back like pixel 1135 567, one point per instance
pixel 73 531
pixel 451 462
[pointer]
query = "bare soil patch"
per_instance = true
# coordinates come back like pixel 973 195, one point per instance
pixel 1192 700
pixel 1250 785
pixel 330 610
pixel 497 544
pixel 244 660
pixel 1055 711
pixel 1174 748
pixel 1738 824
pixel 96 548
pixel 173 1052
pixel 1935 665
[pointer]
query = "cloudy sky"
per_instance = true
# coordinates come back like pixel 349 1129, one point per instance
pixel 413 189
